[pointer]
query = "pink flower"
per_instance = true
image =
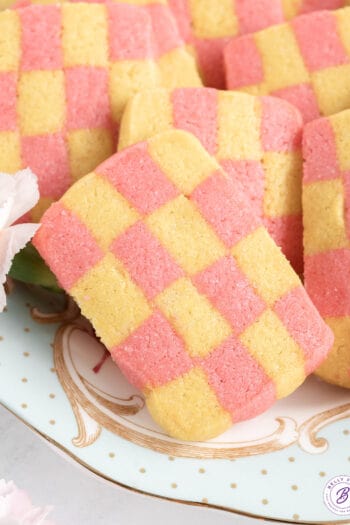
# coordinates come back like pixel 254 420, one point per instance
pixel 18 194
pixel 17 509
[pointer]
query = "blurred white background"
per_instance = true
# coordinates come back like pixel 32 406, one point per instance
pixel 81 498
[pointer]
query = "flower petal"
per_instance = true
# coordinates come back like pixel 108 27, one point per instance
pixel 7 192
pixel 22 189
pixel 26 193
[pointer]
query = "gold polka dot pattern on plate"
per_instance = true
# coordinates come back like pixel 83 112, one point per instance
pixel 24 405
pixel 265 501
pixel 346 432
pixel 201 470
pixel 171 458
pixel 24 380
pixel 296 516
pixel 264 472
pixel 52 422
pixel 294 487
pixel 52 396
pixel 26 329
pixel 204 500
pixel 111 455
pixel 291 459
pixel 26 354
pixel 233 485
pixel 142 470
pixel 5 309
pixel 174 485
pixel 322 474
pixel 1 338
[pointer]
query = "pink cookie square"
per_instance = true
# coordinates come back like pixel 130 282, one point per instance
pixel 40 31
pixel 88 103
pixel 153 355
pixel 130 32
pixel 136 176
pixel 306 327
pixel 327 281
pixel 319 152
pixel 47 156
pixel 226 208
pixel 249 177
pixel 346 183
pixel 281 126
pixel 209 53
pixel 287 232
pixel 8 103
pixel 66 245
pixel 243 63
pixel 165 32
pixel 149 264
pixel 319 42
pixel 308 6
pixel 241 385
pixel 181 12
pixel 302 96
pixel 230 291
pixel 256 15
pixel 196 110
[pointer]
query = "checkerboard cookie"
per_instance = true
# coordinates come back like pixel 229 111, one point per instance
pixel 207 25
pixel 301 61
pixel 61 100
pixel 326 198
pixel 257 140
pixel 157 246
pixel 177 67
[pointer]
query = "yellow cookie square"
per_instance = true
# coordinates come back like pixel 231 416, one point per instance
pixel 187 408
pixel 40 208
pixel 324 221
pixel 85 35
pixel 128 77
pixel 291 8
pixel 335 369
pixel 342 17
pixel 41 102
pixel 183 159
pixel 193 317
pixel 115 305
pixel 88 148
pixel 145 115
pixel 101 208
pixel 186 235
pixel 213 19
pixel 282 183
pixel 329 99
pixel 272 276
pixel 239 122
pixel 10 41
pixel 341 127
pixel 271 345
pixel 282 61
pixel 177 68
pixel 10 152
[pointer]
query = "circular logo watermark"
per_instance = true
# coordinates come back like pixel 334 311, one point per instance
pixel 336 495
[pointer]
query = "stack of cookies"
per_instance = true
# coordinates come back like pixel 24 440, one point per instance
pixel 184 150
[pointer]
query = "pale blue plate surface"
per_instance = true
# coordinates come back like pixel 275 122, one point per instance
pixel 275 466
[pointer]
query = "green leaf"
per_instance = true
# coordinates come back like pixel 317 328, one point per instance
pixel 29 267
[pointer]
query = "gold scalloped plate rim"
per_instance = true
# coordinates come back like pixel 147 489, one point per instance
pixel 95 472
